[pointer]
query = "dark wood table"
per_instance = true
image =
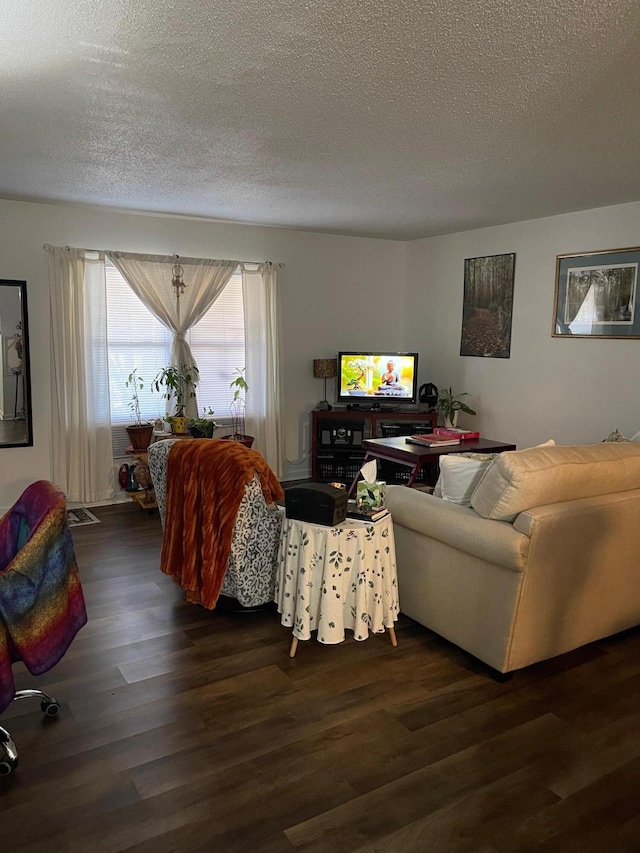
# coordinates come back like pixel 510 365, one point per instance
pixel 414 456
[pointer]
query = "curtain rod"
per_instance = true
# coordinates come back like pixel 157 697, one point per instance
pixel 48 248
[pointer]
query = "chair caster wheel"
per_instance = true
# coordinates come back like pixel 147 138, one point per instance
pixel 9 759
pixel 7 767
pixel 50 707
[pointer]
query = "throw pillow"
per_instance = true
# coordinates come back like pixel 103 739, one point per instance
pixel 460 473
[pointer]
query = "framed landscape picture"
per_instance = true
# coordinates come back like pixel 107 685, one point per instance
pixel 596 295
pixel 487 306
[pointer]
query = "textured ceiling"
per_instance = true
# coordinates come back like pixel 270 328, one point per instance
pixel 388 118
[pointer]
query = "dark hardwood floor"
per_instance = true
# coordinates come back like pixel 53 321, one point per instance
pixel 188 730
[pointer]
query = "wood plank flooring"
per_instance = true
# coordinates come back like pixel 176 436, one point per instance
pixel 184 730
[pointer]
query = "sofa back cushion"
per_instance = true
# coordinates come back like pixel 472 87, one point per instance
pixel 519 480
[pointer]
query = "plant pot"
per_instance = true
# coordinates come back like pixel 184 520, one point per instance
pixel 247 440
pixel 140 436
pixel 196 432
pixel 449 423
pixel 202 430
pixel 179 425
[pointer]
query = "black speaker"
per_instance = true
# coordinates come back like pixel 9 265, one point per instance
pixel 345 434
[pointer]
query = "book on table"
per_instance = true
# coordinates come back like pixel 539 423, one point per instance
pixel 456 432
pixel 374 514
pixel 431 440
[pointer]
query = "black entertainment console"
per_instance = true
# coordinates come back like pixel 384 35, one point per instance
pixel 337 436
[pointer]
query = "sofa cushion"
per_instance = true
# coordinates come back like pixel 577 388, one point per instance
pixel 519 480
pixel 460 473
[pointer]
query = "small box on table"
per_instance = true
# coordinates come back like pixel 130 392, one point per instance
pixel 317 503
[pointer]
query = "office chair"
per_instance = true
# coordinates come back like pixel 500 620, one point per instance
pixel 41 602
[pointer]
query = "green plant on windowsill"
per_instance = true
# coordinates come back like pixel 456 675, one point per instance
pixel 179 384
pixel 450 404
pixel 135 383
pixel 238 407
pixel 140 433
pixel 202 426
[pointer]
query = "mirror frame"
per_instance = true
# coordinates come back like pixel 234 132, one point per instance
pixel 26 363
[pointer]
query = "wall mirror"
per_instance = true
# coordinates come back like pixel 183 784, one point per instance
pixel 15 378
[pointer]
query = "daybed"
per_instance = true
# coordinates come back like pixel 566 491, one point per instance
pixel 546 558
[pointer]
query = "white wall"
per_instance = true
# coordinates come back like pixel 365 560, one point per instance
pixel 332 292
pixel 343 292
pixel 573 390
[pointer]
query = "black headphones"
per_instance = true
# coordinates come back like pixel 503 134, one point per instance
pixel 428 394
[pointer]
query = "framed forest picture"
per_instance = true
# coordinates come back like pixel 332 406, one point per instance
pixel 487 306
pixel 596 295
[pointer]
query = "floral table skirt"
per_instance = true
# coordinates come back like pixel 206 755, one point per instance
pixel 333 578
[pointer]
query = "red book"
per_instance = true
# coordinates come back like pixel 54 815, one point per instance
pixel 455 432
pixel 431 440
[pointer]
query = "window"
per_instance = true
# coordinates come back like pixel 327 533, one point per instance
pixel 137 340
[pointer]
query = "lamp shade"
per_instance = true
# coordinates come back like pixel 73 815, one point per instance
pixel 325 368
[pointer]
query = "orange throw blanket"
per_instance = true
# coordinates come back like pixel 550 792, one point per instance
pixel 206 479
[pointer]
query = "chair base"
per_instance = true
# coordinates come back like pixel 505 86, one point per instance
pixel 227 604
pixel 8 761
pixel 8 751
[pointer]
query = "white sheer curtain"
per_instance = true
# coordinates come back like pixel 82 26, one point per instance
pixel 150 279
pixel 263 370
pixel 82 461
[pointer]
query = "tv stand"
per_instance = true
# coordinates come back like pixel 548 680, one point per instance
pixel 337 436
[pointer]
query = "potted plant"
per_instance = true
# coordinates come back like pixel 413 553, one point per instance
pixel 202 427
pixel 450 405
pixel 139 433
pixel 238 405
pixel 177 383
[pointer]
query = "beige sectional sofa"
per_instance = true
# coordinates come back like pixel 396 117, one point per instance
pixel 546 558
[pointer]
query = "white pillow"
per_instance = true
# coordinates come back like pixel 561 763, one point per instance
pixel 460 473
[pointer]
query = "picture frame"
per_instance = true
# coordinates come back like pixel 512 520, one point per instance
pixel 596 295
pixel 487 306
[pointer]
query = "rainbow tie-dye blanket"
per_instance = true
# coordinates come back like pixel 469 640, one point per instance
pixel 41 602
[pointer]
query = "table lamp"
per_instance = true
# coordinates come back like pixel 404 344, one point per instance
pixel 325 368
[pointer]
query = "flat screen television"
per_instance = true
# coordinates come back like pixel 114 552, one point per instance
pixel 377 379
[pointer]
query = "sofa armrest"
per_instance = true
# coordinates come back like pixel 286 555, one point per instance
pixel 459 527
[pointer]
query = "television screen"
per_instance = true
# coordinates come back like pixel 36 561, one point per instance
pixel 377 377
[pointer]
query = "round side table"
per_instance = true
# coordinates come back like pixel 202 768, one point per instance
pixel 331 579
